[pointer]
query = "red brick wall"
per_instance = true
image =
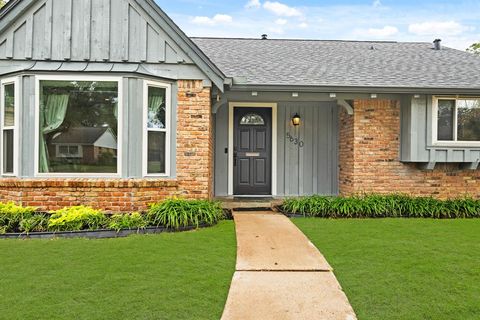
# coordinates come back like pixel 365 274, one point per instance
pixel 370 151
pixel 194 169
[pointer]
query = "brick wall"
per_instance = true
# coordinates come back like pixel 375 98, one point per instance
pixel 194 168
pixel 370 151
pixel 194 140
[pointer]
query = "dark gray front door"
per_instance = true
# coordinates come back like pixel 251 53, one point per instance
pixel 252 154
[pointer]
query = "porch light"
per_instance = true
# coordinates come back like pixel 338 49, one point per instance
pixel 296 120
pixel 373 96
pixel 333 95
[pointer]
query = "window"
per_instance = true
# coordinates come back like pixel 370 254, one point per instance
pixel 252 119
pixel 8 124
pixel 78 126
pixel 458 120
pixel 69 151
pixel 157 128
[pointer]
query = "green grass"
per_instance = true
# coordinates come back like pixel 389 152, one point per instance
pixel 403 268
pixel 167 276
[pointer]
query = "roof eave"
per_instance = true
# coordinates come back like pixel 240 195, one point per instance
pixel 355 89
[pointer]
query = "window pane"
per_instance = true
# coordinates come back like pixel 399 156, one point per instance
pixel 156 152
pixel 9 100
pixel 468 120
pixel 81 116
pixel 156 108
pixel 252 119
pixel 8 151
pixel 446 108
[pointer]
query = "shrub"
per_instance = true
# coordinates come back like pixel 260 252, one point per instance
pixel 37 222
pixel 132 220
pixel 77 218
pixel 11 216
pixel 378 206
pixel 176 213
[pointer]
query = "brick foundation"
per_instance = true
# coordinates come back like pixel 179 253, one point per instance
pixel 369 158
pixel 194 169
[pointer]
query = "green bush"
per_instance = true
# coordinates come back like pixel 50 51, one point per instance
pixel 77 218
pixel 176 213
pixel 11 216
pixel 173 213
pixel 132 220
pixel 380 206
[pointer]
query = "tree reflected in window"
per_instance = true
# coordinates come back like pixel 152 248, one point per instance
pixel 252 119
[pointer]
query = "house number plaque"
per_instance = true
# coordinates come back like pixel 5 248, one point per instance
pixel 294 140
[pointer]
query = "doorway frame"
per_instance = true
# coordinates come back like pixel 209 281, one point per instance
pixel 231 107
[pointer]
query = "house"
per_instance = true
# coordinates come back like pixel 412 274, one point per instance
pixel 211 117
pixel 85 146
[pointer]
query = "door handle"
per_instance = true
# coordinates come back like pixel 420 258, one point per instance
pixel 234 158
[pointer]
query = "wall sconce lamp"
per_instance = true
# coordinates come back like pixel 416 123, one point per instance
pixel 296 120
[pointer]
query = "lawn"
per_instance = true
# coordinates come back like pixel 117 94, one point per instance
pixel 403 268
pixel 167 276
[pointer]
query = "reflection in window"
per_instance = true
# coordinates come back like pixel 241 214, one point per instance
pixel 156 130
pixel 446 110
pixel 468 121
pixel 78 127
pixel 8 128
pixel 458 120
pixel 252 119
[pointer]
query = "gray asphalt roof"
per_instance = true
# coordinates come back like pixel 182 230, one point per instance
pixel 343 63
pixel 80 135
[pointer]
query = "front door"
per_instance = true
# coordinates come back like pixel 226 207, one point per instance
pixel 252 153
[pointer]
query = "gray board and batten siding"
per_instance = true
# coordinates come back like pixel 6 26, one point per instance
pixel 86 30
pixel 417 138
pixel 99 36
pixel 307 155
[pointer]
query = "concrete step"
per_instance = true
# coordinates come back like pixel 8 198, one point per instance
pixel 248 203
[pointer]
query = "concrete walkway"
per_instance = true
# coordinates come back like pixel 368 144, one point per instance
pixel 280 274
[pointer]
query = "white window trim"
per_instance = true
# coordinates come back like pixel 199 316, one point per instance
pixel 167 130
pixel 231 107
pixel 74 77
pixel 455 142
pixel 15 81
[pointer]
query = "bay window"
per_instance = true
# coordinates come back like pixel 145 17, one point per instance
pixel 8 126
pixel 457 120
pixel 78 126
pixel 156 128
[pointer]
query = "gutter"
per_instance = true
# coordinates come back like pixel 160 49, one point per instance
pixel 355 89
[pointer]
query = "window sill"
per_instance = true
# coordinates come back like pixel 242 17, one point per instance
pixel 456 144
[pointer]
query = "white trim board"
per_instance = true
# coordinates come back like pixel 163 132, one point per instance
pixel 273 106
pixel 75 77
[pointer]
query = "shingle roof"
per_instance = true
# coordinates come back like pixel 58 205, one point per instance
pixel 343 63
pixel 80 135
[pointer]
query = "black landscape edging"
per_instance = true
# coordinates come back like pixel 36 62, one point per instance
pixel 96 234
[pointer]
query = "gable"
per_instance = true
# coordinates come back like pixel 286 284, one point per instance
pixel 134 31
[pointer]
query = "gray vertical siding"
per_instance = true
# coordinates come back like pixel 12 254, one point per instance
pixel 221 158
pixel 89 30
pixel 311 169
pixel 27 127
